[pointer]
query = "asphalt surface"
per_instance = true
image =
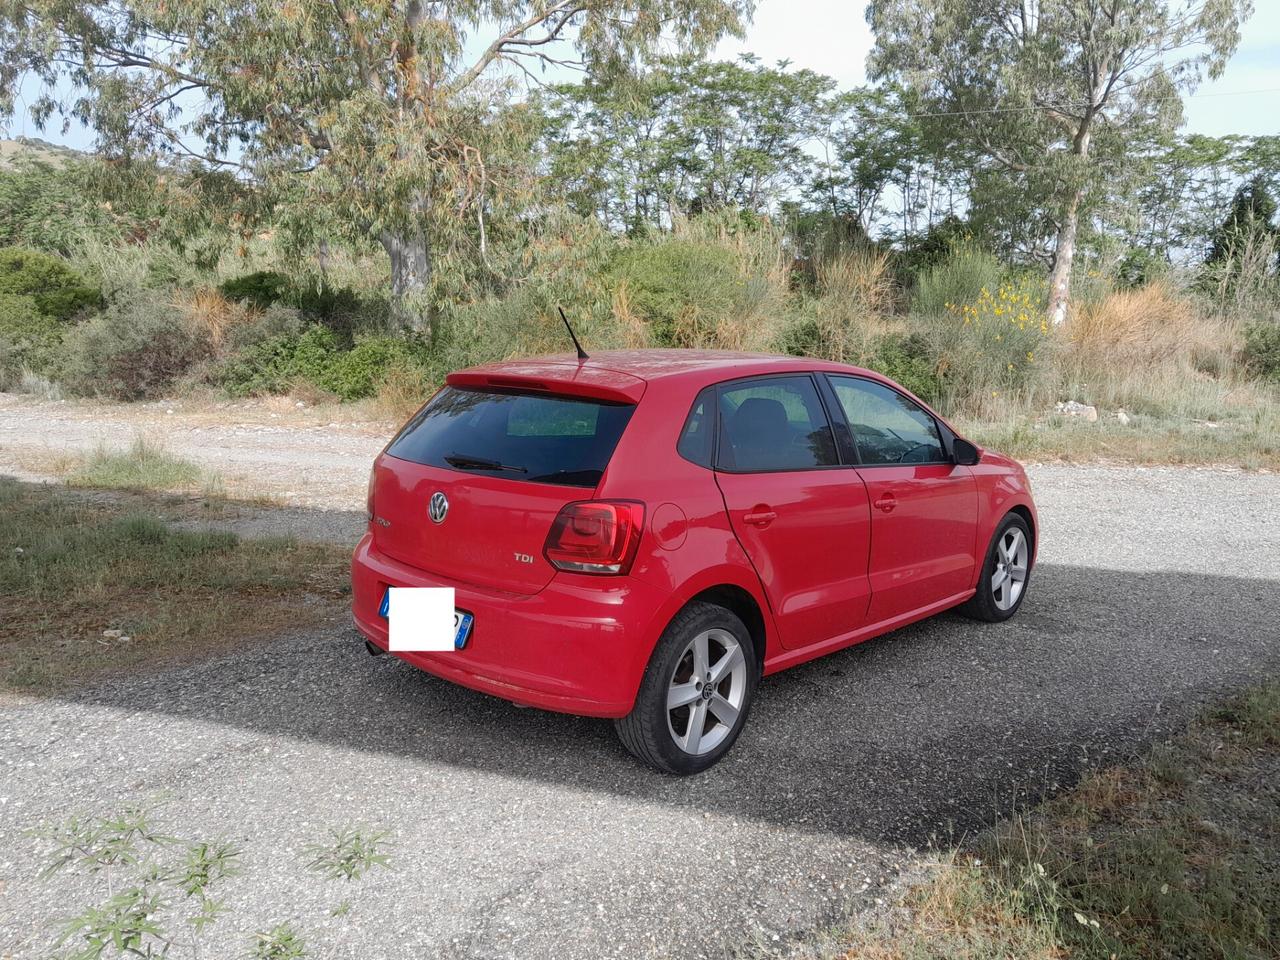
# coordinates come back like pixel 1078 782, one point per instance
pixel 522 834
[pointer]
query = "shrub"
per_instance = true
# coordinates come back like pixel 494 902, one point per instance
pixel 29 339
pixel 261 288
pixel 680 289
pixel 910 361
pixel 271 365
pixel 357 373
pixel 1262 350
pixel 959 279
pixel 57 290
pixel 132 351
pixel 314 356
pixel 991 346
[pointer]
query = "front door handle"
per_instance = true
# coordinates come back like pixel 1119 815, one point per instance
pixel 761 515
pixel 886 503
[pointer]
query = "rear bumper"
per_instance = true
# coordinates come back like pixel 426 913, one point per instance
pixel 580 645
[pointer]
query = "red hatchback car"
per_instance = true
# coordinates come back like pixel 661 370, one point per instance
pixel 643 535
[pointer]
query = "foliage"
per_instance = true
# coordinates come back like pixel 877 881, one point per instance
pixel 315 356
pixel 56 289
pixel 993 344
pixel 1262 350
pixel 1253 213
pixel 29 339
pixel 393 132
pixel 132 351
pixel 679 289
pixel 959 279
pixel 262 288
pixel 1039 99
pixel 348 853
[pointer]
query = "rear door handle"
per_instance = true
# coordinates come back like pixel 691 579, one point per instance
pixel 886 503
pixel 760 516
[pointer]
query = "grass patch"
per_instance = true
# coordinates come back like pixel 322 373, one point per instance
pixel 1251 441
pixel 90 589
pixel 144 466
pixel 1176 856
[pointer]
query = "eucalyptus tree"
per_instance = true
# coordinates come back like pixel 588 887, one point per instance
pixel 1032 84
pixel 391 118
pixel 695 134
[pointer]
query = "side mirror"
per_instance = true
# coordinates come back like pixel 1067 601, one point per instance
pixel 964 453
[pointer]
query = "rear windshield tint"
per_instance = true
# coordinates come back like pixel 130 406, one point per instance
pixel 519 436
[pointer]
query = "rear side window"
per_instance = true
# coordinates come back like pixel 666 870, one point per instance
pixel 519 436
pixel 773 424
pixel 887 426
pixel 696 441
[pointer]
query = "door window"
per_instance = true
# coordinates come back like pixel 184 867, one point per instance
pixel 887 426
pixel 774 424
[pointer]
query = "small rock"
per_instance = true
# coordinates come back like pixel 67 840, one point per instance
pixel 170 410
pixel 18 551
pixel 300 404
pixel 113 634
pixel 1122 417
pixel 1074 408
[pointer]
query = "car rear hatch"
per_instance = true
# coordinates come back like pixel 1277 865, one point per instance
pixel 504 457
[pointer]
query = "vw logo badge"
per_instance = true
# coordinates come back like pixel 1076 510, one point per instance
pixel 438 508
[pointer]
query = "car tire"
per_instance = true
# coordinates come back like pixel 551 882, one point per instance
pixel 696 692
pixel 1006 573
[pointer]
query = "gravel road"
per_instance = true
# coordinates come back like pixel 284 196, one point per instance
pixel 522 834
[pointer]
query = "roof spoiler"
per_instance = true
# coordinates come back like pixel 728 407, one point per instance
pixel 563 379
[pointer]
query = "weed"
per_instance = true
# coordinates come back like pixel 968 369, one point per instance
pixel 348 853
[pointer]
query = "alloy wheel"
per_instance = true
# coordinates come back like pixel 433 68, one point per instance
pixel 1010 573
pixel 706 691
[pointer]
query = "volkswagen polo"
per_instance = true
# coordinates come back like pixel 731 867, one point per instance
pixel 644 535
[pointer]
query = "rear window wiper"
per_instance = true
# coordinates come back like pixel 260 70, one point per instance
pixel 465 461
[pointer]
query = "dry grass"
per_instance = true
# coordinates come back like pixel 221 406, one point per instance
pixel 1146 325
pixel 402 391
pixel 73 572
pixel 1173 857
pixel 208 312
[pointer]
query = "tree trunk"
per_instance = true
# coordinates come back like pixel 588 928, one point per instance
pixel 410 279
pixel 1064 252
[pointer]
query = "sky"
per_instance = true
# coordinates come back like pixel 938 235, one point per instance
pixel 785 29
pixel 832 37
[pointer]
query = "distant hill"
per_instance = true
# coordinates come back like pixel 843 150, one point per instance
pixel 34 148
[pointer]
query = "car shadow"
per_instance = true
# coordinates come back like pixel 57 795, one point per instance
pixel 920 735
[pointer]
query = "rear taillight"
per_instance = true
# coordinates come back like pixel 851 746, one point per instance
pixel 368 497
pixel 595 536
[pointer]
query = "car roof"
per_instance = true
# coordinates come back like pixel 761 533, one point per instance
pixel 701 366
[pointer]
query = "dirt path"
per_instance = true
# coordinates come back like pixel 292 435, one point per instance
pixel 299 457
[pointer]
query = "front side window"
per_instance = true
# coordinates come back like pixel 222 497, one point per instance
pixel 887 426
pixel 773 424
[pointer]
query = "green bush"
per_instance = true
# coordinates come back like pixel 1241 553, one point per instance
pixel 911 362
pixel 29 339
pixel 261 288
pixel 679 288
pixel 57 290
pixel 315 356
pixel 1262 350
pixel 274 364
pixel 131 351
pixel 356 374
pixel 961 278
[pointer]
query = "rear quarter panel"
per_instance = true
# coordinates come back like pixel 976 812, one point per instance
pixel 688 544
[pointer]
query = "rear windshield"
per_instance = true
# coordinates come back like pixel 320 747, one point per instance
pixel 515 435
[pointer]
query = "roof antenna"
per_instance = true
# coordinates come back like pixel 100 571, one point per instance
pixel 582 354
